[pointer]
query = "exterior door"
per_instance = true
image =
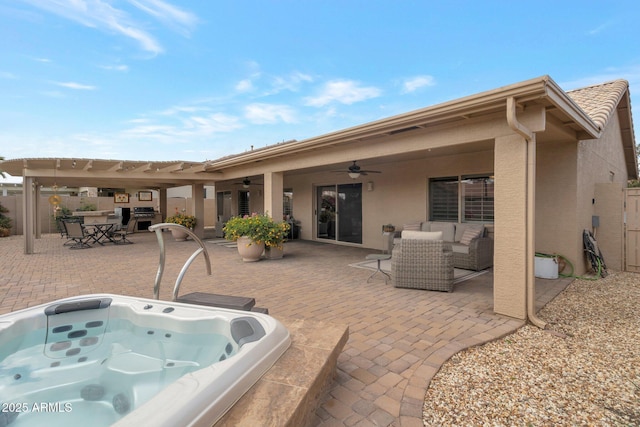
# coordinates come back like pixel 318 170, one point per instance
pixel 339 212
pixel 632 214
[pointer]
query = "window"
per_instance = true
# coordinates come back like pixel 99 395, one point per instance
pixel 443 199
pixel 477 199
pixel 466 198
pixel 243 203
pixel 287 203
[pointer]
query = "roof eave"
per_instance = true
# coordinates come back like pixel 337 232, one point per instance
pixel 534 89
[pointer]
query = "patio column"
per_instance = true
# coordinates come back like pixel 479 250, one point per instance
pixel 273 194
pixel 36 209
pixel 510 248
pixel 162 203
pixel 197 190
pixel 27 213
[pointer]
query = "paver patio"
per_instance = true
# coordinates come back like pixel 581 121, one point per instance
pixel 398 338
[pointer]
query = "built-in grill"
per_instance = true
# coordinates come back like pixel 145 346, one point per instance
pixel 143 212
pixel 144 215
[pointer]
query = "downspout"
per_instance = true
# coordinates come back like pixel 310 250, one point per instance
pixel 530 139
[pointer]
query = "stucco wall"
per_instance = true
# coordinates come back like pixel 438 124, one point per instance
pixel 602 162
pixel 556 201
pixel 399 195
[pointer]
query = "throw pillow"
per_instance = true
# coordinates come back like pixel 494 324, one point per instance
pixel 468 236
pixel 422 235
pixel 413 226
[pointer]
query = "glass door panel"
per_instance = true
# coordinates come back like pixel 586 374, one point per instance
pixel 326 212
pixel 340 212
pixel 350 213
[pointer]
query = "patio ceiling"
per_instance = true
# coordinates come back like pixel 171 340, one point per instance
pixel 109 173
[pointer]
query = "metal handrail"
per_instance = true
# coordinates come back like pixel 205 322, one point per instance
pixel 202 249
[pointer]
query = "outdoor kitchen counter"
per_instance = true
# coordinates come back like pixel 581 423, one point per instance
pixel 94 217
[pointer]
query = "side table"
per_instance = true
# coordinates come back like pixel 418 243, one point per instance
pixel 379 258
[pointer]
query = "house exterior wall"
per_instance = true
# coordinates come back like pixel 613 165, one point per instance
pixel 399 195
pixel 557 201
pixel 575 181
pixel 602 177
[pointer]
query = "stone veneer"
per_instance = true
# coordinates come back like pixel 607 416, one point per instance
pixel 290 392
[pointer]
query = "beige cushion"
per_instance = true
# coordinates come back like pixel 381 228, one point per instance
pixel 459 248
pixel 462 227
pixel 422 235
pixel 412 226
pixel 469 235
pixel 448 230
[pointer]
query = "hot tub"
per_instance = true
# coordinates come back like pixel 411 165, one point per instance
pixel 104 360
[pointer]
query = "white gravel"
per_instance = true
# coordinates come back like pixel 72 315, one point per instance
pixel 583 370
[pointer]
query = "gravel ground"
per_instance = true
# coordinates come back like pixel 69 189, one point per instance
pixel 583 370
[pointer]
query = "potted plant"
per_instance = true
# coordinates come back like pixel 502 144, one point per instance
pixel 255 232
pixel 188 221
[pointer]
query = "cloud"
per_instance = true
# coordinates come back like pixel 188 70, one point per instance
pixel 414 83
pixel 245 85
pixel 600 28
pixel 122 68
pixel 74 85
pixel 104 16
pixel 269 113
pixel 344 92
pixel 185 129
pixel 174 17
pixel 7 75
pixel 291 82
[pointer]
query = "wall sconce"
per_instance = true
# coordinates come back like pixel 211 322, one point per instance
pixel 370 186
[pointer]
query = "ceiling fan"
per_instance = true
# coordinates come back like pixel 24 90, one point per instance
pixel 245 183
pixel 355 171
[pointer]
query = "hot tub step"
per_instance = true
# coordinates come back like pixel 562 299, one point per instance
pixel 215 300
pixel 260 310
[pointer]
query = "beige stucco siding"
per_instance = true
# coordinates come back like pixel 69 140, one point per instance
pixel 602 176
pixel 510 273
pixel 556 201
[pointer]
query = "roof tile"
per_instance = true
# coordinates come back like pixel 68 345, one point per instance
pixel 599 101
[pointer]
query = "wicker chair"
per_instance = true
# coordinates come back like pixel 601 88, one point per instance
pixel 422 264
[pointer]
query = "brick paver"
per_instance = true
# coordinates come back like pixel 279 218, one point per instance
pixel 398 337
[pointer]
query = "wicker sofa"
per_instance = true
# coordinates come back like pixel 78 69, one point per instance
pixel 472 248
pixel 422 260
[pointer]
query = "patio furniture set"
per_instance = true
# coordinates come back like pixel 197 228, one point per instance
pixel 82 236
pixel 425 254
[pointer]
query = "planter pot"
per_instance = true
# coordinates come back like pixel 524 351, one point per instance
pixel 179 235
pixel 248 250
pixel 273 253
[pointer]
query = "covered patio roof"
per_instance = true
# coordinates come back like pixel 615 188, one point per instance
pixel 109 173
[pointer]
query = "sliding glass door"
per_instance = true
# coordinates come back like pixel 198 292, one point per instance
pixel 339 212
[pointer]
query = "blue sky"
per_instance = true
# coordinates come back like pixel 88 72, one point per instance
pixel 198 80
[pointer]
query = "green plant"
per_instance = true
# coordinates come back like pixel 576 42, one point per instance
pixel 188 221
pixel 87 207
pixel 5 222
pixel 260 228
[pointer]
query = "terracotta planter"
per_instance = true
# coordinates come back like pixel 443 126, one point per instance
pixel 249 250
pixel 179 235
pixel 273 253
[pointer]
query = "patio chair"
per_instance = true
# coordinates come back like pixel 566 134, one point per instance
pixel 422 264
pixel 77 233
pixel 120 236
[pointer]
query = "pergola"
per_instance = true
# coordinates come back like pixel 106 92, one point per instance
pixel 73 172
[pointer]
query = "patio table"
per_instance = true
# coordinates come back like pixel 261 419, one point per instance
pixel 379 258
pixel 102 232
